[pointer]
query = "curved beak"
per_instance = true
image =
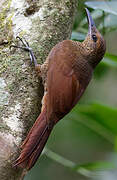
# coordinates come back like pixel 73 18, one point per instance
pixel 90 21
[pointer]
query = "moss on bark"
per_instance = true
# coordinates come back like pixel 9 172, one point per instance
pixel 43 23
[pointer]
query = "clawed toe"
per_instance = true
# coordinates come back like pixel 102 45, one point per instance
pixel 26 47
pixel 24 42
pixel 20 47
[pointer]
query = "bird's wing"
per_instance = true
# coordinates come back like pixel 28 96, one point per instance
pixel 64 89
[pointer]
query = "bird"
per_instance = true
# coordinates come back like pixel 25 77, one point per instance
pixel 69 68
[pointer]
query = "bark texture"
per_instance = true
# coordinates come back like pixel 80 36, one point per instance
pixel 43 23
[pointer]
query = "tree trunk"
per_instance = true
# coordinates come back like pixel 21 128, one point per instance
pixel 43 23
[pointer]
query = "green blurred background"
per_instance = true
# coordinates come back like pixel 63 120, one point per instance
pixel 83 145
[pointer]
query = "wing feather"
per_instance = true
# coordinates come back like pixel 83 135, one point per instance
pixel 64 90
pixel 63 86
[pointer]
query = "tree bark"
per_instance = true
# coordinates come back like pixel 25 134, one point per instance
pixel 43 23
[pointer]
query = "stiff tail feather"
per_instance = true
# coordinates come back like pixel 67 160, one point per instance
pixel 34 142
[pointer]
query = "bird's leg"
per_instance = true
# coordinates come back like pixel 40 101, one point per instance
pixel 27 48
pixel 41 69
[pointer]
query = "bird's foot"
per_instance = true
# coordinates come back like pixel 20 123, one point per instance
pixel 27 48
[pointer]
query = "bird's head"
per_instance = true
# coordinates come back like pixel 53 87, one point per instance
pixel 94 43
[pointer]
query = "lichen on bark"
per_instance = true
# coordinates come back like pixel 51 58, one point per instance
pixel 43 23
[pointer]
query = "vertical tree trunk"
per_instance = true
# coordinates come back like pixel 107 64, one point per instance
pixel 43 23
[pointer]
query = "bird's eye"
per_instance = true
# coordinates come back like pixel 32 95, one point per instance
pixel 94 37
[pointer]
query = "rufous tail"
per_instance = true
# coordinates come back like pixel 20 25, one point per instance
pixel 34 142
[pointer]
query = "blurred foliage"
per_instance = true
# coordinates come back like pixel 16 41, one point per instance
pixel 99 118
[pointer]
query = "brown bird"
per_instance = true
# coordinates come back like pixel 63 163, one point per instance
pixel 69 67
